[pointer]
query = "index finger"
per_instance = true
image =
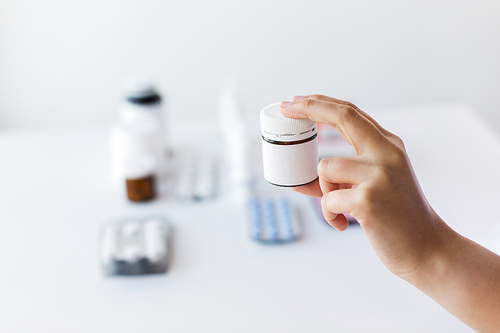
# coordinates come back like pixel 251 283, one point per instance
pixel 347 119
pixel 339 101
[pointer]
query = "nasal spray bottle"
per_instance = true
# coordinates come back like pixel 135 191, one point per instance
pixel 233 134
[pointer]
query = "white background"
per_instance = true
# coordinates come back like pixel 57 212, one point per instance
pixel 54 199
pixel 62 62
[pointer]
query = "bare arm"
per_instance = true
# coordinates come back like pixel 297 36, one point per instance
pixel 379 188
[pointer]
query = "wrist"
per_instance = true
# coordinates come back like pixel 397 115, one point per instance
pixel 464 278
pixel 436 252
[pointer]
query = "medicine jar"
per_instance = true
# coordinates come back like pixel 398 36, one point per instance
pixel 289 148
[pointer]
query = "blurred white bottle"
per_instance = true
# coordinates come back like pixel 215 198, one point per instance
pixel 233 132
pixel 140 129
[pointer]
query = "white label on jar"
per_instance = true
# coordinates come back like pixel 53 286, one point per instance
pixel 290 165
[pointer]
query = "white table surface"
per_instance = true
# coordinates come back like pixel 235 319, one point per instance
pixel 55 193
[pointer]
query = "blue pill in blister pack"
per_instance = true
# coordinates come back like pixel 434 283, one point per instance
pixel 272 220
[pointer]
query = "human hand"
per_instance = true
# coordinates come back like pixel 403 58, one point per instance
pixel 378 186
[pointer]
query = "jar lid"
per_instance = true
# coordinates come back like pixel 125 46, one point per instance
pixel 140 91
pixel 275 126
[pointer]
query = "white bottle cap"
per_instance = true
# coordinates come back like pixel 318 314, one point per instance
pixel 277 127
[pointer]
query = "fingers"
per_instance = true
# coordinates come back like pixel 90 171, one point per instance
pixel 335 173
pixel 311 189
pixel 339 222
pixel 339 201
pixel 339 101
pixel 333 204
pixel 380 128
pixel 356 129
pixel 341 173
pixel 328 187
pixel 343 170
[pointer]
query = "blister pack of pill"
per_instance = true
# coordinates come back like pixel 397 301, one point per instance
pixel 196 179
pixel 273 221
pixel 135 246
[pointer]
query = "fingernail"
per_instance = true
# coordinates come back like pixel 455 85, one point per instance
pixel 286 104
pixel 298 98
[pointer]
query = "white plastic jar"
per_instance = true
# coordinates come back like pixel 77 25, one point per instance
pixel 289 148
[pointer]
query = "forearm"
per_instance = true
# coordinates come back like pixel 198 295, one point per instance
pixel 464 278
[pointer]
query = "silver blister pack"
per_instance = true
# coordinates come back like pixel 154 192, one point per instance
pixel 135 246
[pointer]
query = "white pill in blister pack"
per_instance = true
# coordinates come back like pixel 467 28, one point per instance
pixel 110 244
pixel 135 246
pixel 154 236
pixel 196 179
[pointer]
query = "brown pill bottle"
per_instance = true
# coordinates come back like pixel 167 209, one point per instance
pixel 140 177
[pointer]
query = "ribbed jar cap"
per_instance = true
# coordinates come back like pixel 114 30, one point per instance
pixel 277 127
